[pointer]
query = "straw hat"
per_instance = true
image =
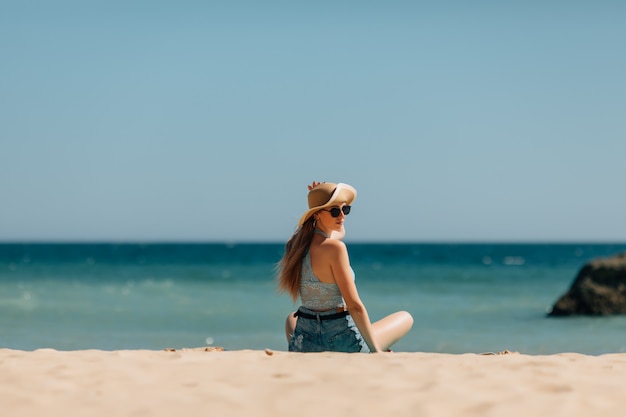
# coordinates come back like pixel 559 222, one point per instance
pixel 325 195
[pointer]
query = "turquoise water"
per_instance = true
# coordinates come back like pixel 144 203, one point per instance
pixel 464 297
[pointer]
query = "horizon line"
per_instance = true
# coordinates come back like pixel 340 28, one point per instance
pixel 272 242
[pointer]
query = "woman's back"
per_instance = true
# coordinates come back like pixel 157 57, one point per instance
pixel 315 294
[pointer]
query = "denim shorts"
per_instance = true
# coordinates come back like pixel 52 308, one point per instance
pixel 317 335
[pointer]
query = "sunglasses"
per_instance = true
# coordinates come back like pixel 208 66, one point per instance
pixel 336 211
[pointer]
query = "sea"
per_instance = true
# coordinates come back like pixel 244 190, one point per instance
pixel 464 297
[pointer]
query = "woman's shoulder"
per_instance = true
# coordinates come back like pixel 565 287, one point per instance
pixel 333 247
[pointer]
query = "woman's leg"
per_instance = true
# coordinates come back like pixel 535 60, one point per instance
pixel 392 328
pixel 290 326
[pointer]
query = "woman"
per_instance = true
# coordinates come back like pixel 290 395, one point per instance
pixel 316 268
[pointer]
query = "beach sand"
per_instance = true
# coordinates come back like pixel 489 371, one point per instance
pixel 194 382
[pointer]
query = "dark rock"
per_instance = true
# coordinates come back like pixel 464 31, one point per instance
pixel 598 290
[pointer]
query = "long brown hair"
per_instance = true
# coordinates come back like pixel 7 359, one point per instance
pixel 290 266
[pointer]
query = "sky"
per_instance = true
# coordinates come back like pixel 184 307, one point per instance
pixel 456 121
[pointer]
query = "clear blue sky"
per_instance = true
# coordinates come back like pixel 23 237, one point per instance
pixel 205 121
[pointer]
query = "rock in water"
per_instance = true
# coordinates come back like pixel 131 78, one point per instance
pixel 598 290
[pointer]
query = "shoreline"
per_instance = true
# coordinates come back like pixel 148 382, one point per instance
pixel 278 383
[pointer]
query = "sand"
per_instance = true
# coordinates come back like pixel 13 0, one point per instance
pixel 195 382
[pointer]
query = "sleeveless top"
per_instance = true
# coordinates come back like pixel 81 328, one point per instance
pixel 315 294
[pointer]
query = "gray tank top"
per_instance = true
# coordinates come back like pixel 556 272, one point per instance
pixel 315 294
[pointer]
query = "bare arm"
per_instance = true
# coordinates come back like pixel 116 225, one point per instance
pixel 340 265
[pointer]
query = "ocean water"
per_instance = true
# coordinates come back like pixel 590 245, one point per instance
pixel 464 297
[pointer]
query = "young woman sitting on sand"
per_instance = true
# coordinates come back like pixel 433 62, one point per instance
pixel 316 268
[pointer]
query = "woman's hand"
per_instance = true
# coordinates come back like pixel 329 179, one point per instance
pixel 313 185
